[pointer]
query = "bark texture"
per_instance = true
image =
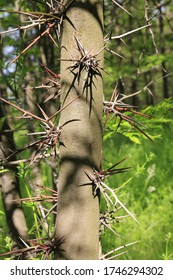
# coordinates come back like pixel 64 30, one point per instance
pixel 77 224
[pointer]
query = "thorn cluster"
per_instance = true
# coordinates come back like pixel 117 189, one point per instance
pixel 87 63
pixel 99 186
pixel 117 108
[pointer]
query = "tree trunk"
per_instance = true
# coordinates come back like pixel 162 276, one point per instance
pixel 9 186
pixel 162 51
pixel 9 183
pixel 77 224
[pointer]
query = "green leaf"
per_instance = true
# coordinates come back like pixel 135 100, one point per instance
pixel 133 138
pixel 3 171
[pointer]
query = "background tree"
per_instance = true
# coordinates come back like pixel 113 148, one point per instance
pixel 10 183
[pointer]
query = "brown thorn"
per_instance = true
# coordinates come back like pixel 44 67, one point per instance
pixel 33 42
pixel 56 113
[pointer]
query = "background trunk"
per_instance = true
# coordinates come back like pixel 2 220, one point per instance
pixel 9 185
pixel 77 225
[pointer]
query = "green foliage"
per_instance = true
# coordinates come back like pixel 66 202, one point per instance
pixel 151 62
pixel 167 255
pixel 3 170
pixel 23 170
pixel 9 243
pixel 158 117
pixel 3 229
pixel 148 193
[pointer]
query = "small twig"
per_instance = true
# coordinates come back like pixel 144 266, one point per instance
pixel 126 34
pixel 23 111
pixel 117 249
pixel 122 7
pixel 34 41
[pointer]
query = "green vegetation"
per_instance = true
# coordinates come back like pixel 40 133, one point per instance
pixel 148 191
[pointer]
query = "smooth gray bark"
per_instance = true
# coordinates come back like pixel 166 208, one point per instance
pixel 77 224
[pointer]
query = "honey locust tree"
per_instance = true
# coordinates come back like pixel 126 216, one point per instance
pixel 78 27
pixel 77 221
